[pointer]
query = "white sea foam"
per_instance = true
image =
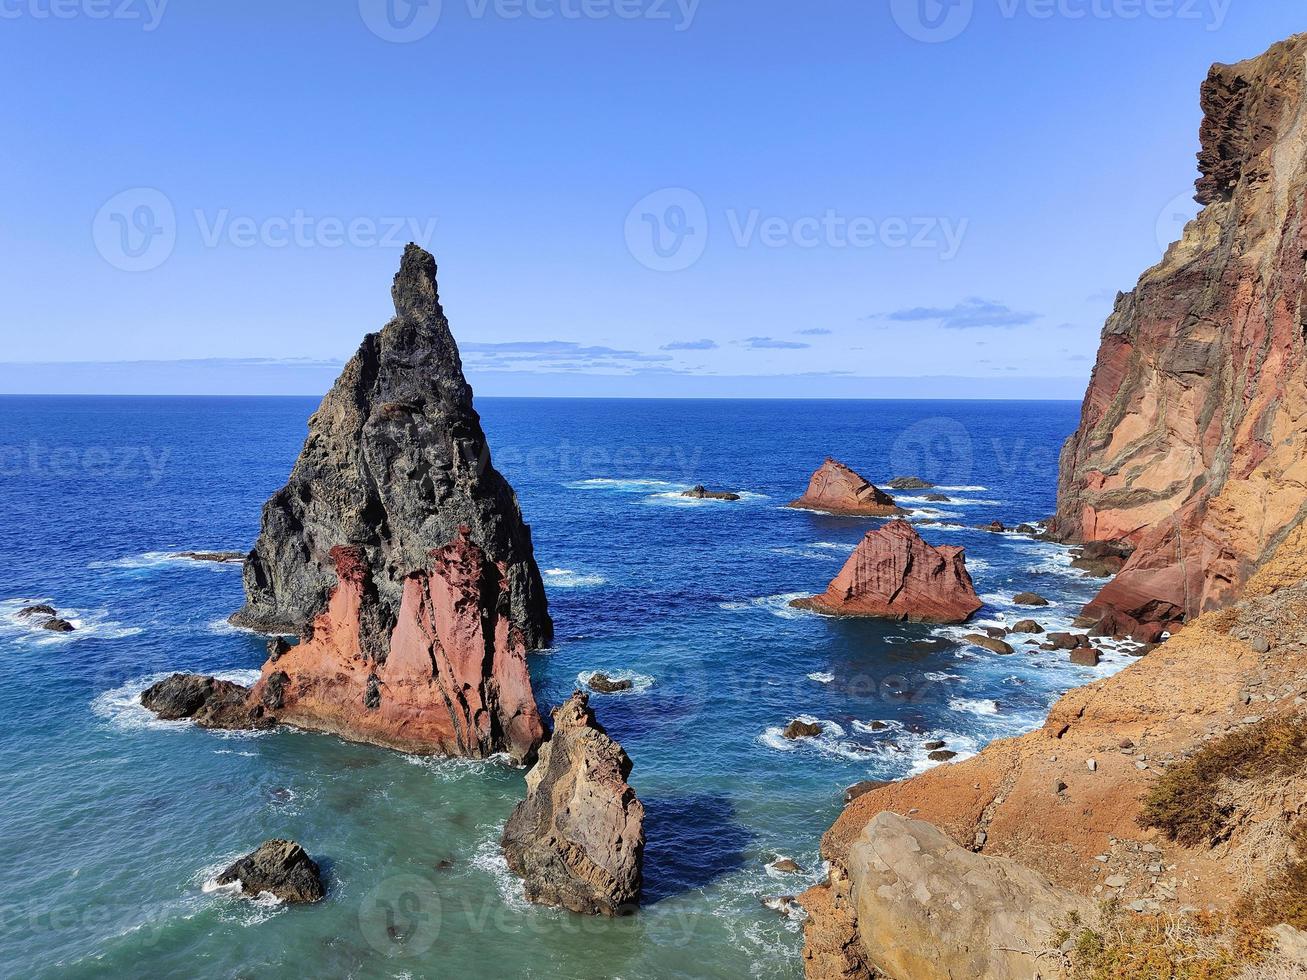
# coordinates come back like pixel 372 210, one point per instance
pixel 869 728
pixel 951 502
pixel 488 857
pixel 777 605
pixel 450 769
pixel 962 489
pixel 122 708
pixel 821 677
pixel 677 498
pixel 160 559
pixel 622 486
pixel 86 623
pixel 974 706
pixel 566 578
pixel 639 682
pixel 832 740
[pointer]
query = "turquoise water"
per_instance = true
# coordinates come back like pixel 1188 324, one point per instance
pixel 114 822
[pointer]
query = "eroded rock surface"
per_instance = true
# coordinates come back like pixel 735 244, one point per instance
pixel 894 574
pixel 395 462
pixel 577 840
pixel 280 868
pixel 1192 445
pixel 836 489
pixel 207 701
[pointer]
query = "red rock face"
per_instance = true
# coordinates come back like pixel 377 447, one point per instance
pixel 836 489
pixel 448 677
pixel 894 574
pixel 1192 444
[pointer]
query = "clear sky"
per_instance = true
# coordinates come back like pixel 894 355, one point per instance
pixel 690 197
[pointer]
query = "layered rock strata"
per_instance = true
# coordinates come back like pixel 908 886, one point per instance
pixel 836 489
pixel 894 574
pixel 577 840
pixel 1192 444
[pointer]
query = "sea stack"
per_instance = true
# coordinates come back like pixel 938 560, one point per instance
pixel 398 554
pixel 577 840
pixel 894 574
pixel 1191 445
pixel 836 489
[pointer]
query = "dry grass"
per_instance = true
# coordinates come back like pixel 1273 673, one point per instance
pixel 1283 898
pixel 1187 803
pixel 1166 947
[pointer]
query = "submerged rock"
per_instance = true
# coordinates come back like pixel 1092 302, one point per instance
pixel 700 493
pixel 894 574
pixel 798 729
pixel 601 683
pixel 836 489
pixel 909 483
pixel 219 557
pixel 280 868
pixel 577 840
pixel 989 643
pixel 1029 599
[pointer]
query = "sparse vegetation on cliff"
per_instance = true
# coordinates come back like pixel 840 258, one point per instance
pixel 1189 803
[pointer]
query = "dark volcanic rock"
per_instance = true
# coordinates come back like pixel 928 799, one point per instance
pixel 989 643
pixel 862 789
pixel 220 557
pixel 395 462
pixel 280 868
pixel 909 483
pixel 802 729
pixel 209 702
pixel 1029 599
pixel 942 755
pixel 700 493
pixel 1026 626
pixel 57 625
pixel 577 840
pixel 42 610
pixel 603 684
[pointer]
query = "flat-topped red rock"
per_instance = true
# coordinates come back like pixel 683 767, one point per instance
pixel 836 489
pixel 894 574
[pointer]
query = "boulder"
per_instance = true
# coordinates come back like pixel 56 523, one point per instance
pixel 802 729
pixel 1085 657
pixel 909 483
pixel 942 755
pixel 997 527
pixel 1026 626
pixel 786 866
pixel 929 909
pixel 933 744
pixel 1068 641
pixel 700 493
pixel 894 574
pixel 207 701
pixel 42 610
pixel 836 489
pixel 937 498
pixel 989 643
pixel 601 683
pixel 57 625
pixel 577 840
pixel 861 789
pixel 1029 599
pixel 280 868
pixel 1102 559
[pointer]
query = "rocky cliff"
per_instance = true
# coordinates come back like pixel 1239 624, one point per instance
pixel 577 840
pixel 836 489
pixel 894 574
pixel 1067 803
pixel 1192 445
pixel 395 462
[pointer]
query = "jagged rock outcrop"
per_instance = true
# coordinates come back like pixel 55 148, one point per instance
pixel 280 868
pixel 395 462
pixel 894 574
pixel 836 489
pixel 1192 445
pixel 207 701
pixel 577 840
pixel 1065 800
pixel 448 677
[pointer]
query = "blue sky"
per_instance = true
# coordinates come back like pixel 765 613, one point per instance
pixel 689 197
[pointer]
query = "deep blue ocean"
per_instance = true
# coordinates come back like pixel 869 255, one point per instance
pixel 114 823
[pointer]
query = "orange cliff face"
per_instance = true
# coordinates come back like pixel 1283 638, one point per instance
pixel 836 489
pixel 894 574
pixel 1192 444
pixel 448 676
